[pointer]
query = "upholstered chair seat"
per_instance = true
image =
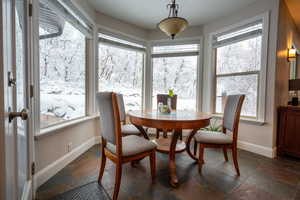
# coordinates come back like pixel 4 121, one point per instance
pixel 133 145
pixel 114 146
pixel 129 129
pixel 212 137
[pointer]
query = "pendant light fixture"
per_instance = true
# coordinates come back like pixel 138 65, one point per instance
pixel 172 25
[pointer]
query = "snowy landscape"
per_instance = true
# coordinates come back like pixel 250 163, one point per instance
pixel 121 71
pixel 241 57
pixel 62 75
pixel 178 73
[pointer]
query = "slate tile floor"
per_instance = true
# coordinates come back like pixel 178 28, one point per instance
pixel 261 178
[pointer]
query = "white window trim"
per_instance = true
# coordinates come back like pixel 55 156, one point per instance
pixel 90 85
pixel 199 77
pixel 261 108
pixel 59 127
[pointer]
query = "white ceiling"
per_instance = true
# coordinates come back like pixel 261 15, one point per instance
pixel 147 13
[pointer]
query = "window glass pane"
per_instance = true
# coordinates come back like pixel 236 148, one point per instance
pixel 101 35
pixel 121 71
pixel 62 76
pixel 246 84
pixel 178 73
pixel 243 56
pixel 175 48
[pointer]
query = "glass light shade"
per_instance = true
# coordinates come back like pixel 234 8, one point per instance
pixel 292 54
pixel 173 25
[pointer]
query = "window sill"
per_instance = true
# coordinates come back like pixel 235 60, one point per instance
pixel 244 120
pixel 54 129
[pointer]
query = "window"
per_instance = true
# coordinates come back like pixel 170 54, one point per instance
pixel 175 67
pixel 62 49
pixel 238 67
pixel 121 65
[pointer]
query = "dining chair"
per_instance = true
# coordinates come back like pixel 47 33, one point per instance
pixel 213 139
pixel 163 98
pixel 119 149
pixel 126 129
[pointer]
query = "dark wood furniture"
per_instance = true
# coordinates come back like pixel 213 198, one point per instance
pixel 115 147
pixel 209 139
pixel 177 121
pixel 288 133
pixel 163 98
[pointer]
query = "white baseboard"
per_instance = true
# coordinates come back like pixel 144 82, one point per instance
pixel 45 174
pixel 258 149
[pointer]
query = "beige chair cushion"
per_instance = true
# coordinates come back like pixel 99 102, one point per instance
pixel 133 145
pixel 130 129
pixel 211 137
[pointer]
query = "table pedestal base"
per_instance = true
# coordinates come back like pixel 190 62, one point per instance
pixel 163 145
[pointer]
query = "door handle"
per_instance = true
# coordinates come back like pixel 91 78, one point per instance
pixel 23 115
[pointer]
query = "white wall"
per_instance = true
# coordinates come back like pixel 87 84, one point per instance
pixel 52 146
pixel 117 26
pixel 85 8
pixel 250 135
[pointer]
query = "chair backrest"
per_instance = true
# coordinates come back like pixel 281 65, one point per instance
pixel 164 99
pixel 232 112
pixel 121 107
pixel 109 117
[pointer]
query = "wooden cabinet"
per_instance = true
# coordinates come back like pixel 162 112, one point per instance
pixel 288 137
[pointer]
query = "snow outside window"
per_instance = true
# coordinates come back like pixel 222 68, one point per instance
pixel 62 76
pixel 175 72
pixel 121 71
pixel 237 72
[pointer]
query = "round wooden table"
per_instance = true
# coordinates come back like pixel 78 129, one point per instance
pixel 176 121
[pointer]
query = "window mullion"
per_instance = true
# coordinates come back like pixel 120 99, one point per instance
pixel 238 74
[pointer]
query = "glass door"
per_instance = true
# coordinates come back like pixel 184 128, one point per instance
pixel 15 134
pixel 21 96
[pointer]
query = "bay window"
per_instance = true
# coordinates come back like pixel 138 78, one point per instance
pixel 120 69
pixel 175 67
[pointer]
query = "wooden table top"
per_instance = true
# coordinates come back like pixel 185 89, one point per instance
pixel 178 116
pixel 174 120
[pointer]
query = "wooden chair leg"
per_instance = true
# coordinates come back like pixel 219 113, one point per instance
pixel 180 136
pixel 102 166
pixel 117 180
pixel 235 161
pixel 225 154
pixel 153 166
pixel 134 163
pixel 165 133
pixel 201 157
pixel 157 133
pixel 195 148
